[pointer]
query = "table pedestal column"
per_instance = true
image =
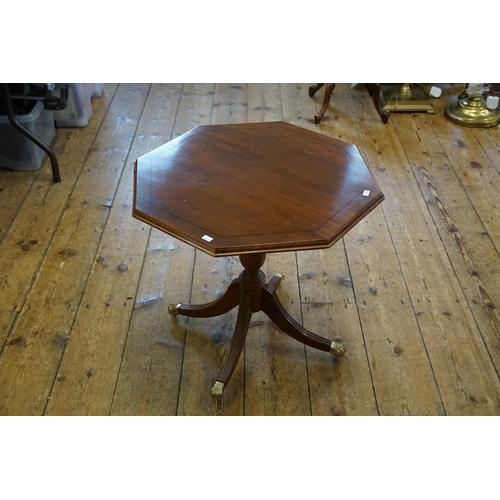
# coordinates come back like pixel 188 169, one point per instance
pixel 252 294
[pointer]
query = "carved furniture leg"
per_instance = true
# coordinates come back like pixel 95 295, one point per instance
pixel 328 92
pixel 375 92
pixel 252 279
pixel 314 88
pixel 237 343
pixel 219 306
pixel 252 294
pixel 277 313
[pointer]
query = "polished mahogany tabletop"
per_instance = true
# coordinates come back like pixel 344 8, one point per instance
pixel 254 188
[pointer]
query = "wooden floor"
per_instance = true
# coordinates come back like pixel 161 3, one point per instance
pixel 412 291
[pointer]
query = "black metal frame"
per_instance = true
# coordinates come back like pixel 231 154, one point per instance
pixel 12 118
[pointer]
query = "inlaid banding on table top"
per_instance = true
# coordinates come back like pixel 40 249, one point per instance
pixel 271 185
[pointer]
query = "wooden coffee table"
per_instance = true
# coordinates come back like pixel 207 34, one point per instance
pixel 247 190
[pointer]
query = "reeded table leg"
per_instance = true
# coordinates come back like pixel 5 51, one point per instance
pixel 237 343
pixel 277 313
pixel 219 306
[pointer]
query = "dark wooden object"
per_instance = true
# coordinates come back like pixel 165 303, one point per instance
pixel 247 190
pixel 373 89
pixel 326 101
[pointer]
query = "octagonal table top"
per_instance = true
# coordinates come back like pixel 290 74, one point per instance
pixel 254 188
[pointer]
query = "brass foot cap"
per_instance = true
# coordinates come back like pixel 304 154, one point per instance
pixel 174 309
pixel 337 349
pixel 281 276
pixel 217 390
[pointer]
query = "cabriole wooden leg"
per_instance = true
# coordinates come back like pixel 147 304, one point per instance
pixel 314 88
pixel 326 101
pixel 375 92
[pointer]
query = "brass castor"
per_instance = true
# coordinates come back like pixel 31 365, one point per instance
pixel 276 280
pixel 174 309
pixel 217 390
pixel 337 349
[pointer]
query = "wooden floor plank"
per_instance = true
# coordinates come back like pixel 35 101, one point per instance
pixel 397 355
pixel 7 319
pixel 474 169
pixel 298 107
pixel 87 374
pixel 337 386
pixel 195 107
pixel 264 102
pixel 474 257
pixel 14 187
pixel 149 374
pixel 403 379
pixel 46 321
pixel 456 350
pixel 396 358
pixel 32 356
pixel 230 103
pixel 489 140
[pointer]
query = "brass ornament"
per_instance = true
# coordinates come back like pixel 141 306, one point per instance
pixel 405 98
pixel 174 309
pixel 472 112
pixel 337 349
pixel 217 390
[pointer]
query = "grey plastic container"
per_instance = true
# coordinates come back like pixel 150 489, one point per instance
pixel 79 109
pixel 17 152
